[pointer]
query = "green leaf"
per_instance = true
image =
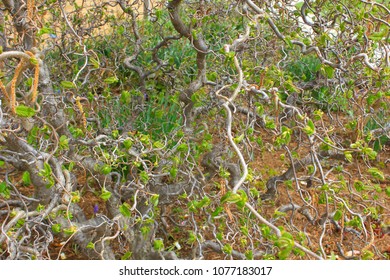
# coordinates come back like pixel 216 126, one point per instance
pixel 278 214
pixel 367 255
pixel 144 176
pixel 33 60
pixel 218 210
pixel 284 138
pixel 212 76
pixel 46 171
pixel 359 186
pixel 56 228
pixel 230 55
pixel 318 114
pixel 370 153
pixel 173 172
pixel 325 187
pixel 204 202
pixel 239 139
pixel 158 244
pixel 120 30
pixel 194 34
pixel 68 84
pixel 26 178
pixel 125 97
pixel 24 111
pixel 348 156
pixel 76 197
pixel 115 134
pixel 64 142
pixel 285 243
pixel 230 197
pixel 124 209
pixel 299 5
pixel 154 199
pixel 243 198
pixel 270 124
pixel 69 166
pixel 376 173
pixel 377 36
pixel 249 255
pixel 71 230
pixel 105 195
pixel 372 98
pixel 145 139
pixel 244 230
pixel 111 80
pixel 126 256
pixel 45 30
pixel 192 205
pixel 105 169
pixel 355 222
pixel 309 129
pixel 337 215
pixel 224 173
pixel 128 143
pixel 158 145
pixel 90 245
pixel 287 39
pixel 265 231
pixel 387 191
pixel 259 109
pixel 227 248
pixel 40 207
pixel 95 63
pixel 3 187
pixel 182 147
pixel 145 230
pixel 328 71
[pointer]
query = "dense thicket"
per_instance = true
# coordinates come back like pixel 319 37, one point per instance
pixel 194 129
